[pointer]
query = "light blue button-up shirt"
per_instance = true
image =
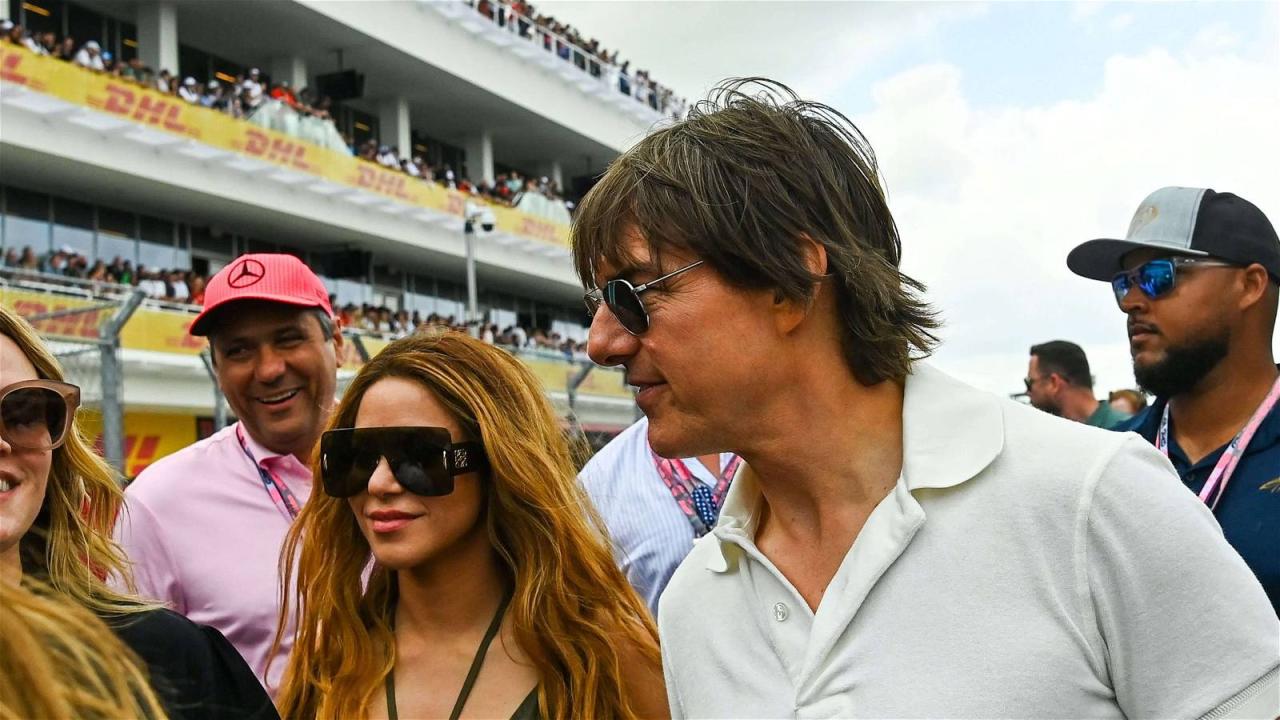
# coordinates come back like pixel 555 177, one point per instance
pixel 649 532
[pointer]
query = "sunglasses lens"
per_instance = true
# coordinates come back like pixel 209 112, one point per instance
pixel 1156 277
pixel 33 418
pixel 625 305
pixel 349 458
pixel 1120 286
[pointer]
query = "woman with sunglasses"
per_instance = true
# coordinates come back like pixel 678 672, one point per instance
pixel 492 591
pixel 58 503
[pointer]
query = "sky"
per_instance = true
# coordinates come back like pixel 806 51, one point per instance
pixel 1007 133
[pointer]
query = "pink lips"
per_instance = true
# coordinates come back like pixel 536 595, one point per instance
pixel 388 521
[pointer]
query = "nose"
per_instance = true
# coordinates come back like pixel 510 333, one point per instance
pixel 270 366
pixel 383 482
pixel 608 343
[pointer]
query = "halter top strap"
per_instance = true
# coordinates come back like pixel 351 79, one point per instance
pixel 472 674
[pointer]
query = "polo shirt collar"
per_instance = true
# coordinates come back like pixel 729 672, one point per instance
pixel 291 467
pixel 950 433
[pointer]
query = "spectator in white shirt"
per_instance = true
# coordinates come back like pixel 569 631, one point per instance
pixel 190 91
pixel 90 56
pixel 896 543
pixel 177 288
pixel 212 94
pixel 252 88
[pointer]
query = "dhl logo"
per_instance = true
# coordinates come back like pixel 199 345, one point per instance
pixel 538 229
pixel 77 324
pixel 12 70
pixel 144 108
pixel 185 339
pixel 385 183
pixel 139 452
pixel 276 150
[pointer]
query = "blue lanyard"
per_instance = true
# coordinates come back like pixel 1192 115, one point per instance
pixel 277 490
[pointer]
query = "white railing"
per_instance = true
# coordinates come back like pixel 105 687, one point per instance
pixel 519 34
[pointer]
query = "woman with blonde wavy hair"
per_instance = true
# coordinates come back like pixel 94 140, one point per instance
pixel 58 660
pixel 58 504
pixel 492 591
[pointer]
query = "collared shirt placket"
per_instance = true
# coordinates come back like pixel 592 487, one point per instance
pixel 805 640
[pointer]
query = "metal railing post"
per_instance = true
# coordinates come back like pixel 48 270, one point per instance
pixel 112 380
pixel 219 402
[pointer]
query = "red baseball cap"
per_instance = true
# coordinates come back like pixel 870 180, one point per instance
pixel 271 277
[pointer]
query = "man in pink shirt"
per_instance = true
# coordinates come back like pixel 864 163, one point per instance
pixel 204 526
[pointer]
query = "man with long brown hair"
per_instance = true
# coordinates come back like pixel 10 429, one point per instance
pixel 897 543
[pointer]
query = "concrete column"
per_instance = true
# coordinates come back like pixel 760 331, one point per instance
pixel 393 125
pixel 158 36
pixel 479 149
pixel 290 69
pixel 552 170
pixel 4 11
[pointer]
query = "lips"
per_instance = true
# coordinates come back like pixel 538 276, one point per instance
pixel 1137 328
pixel 387 521
pixel 8 481
pixel 278 398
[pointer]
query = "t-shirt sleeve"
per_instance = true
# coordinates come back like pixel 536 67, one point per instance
pixel 1184 627
pixel 195 671
pixel 141 535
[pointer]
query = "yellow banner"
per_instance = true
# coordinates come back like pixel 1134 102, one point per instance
pixel 148 329
pixel 147 436
pixel 125 99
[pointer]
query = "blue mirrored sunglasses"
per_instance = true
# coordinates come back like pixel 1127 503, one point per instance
pixel 1157 277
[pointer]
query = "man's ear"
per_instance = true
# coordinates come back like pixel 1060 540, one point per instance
pixel 815 255
pixel 1255 282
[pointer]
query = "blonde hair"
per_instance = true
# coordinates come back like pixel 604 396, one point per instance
pixel 573 612
pixel 70 546
pixel 58 660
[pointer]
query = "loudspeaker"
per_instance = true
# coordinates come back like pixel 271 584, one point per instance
pixel 347 264
pixel 339 86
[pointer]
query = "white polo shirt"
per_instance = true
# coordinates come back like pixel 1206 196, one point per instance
pixel 1023 566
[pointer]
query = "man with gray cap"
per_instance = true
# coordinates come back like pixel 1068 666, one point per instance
pixel 1197 277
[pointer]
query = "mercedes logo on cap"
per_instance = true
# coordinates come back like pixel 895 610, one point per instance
pixel 246 273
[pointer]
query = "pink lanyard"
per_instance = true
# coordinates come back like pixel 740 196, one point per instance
pixel 1216 485
pixel 700 504
pixel 277 490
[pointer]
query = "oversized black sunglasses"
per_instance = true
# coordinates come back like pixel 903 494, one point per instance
pixel 1157 277
pixel 624 302
pixel 423 459
pixel 36 414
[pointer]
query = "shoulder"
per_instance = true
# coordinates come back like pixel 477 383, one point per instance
pixel 621 454
pixel 194 461
pixel 192 666
pixel 1144 423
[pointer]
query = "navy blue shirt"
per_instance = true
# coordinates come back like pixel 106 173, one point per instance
pixel 1248 512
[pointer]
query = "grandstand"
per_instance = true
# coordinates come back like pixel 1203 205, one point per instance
pixel 353 135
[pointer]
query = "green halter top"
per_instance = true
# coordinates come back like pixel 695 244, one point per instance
pixel 528 709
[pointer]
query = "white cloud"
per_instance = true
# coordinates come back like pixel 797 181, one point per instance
pixel 1120 22
pixel 990 201
pixel 1085 9
pixel 815 47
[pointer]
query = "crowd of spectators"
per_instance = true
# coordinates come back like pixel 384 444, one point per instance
pixel 570 45
pixel 506 189
pixel 247 96
pixel 389 323
pixel 177 286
